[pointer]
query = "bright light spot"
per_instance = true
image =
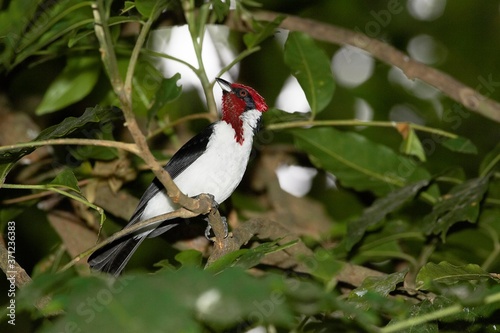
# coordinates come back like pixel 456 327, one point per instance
pixel 176 42
pixel 232 4
pixel 296 180
pixel 207 300
pixel 361 293
pixel 405 113
pixel 331 181
pixel 281 36
pixel 426 10
pixel 258 329
pixel 362 110
pixel 418 88
pixel 426 49
pixel 292 98
pixel 352 66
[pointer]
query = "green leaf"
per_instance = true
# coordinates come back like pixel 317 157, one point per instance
pixel 253 256
pixel 189 258
pixel 127 6
pixel 323 265
pixel 311 66
pixel 68 126
pixel 225 261
pixel 221 8
pixel 358 162
pixel 247 258
pixel 461 145
pixel 382 285
pixel 148 8
pixel 166 93
pixel 74 83
pixel 34 26
pixel 378 211
pixel 490 161
pixel 66 179
pixel 411 145
pixel 447 273
pixel 460 204
pixel 261 31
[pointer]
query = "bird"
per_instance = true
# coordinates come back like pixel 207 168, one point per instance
pixel 212 162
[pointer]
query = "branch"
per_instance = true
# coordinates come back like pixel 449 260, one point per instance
pixel 124 93
pixel 265 229
pixel 130 147
pixel 413 69
pixel 146 224
pixel 14 271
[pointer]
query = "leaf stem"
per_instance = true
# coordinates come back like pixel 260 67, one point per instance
pixel 448 311
pixel 355 122
pixel 58 190
pixel 130 147
pixel 203 115
pixel 197 36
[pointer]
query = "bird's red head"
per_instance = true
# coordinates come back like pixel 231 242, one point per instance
pixel 236 100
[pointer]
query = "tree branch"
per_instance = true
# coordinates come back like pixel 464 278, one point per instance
pixel 203 204
pixel 265 229
pixel 413 69
pixel 130 147
pixel 14 271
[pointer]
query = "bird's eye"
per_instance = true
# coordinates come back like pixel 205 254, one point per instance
pixel 242 93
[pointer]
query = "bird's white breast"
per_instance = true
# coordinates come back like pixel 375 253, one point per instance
pixel 218 171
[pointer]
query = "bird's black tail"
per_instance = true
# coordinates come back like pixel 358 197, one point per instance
pixel 113 257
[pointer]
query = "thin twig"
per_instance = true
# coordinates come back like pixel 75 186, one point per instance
pixel 130 147
pixel 354 122
pixel 203 115
pixel 149 223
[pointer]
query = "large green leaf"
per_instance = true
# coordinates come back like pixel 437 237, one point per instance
pixel 460 204
pixel 447 273
pixel 74 83
pixel 379 209
pixel 358 162
pixel 311 66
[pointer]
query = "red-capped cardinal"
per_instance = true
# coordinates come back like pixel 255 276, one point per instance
pixel 212 162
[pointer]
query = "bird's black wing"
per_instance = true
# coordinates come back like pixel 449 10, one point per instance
pixel 113 257
pixel 183 158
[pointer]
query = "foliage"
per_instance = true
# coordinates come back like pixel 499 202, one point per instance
pixel 384 250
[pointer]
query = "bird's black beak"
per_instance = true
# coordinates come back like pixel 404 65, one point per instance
pixel 225 86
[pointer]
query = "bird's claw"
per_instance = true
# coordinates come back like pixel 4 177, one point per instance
pixel 215 204
pixel 209 228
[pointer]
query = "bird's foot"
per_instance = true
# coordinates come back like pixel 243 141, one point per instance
pixel 209 228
